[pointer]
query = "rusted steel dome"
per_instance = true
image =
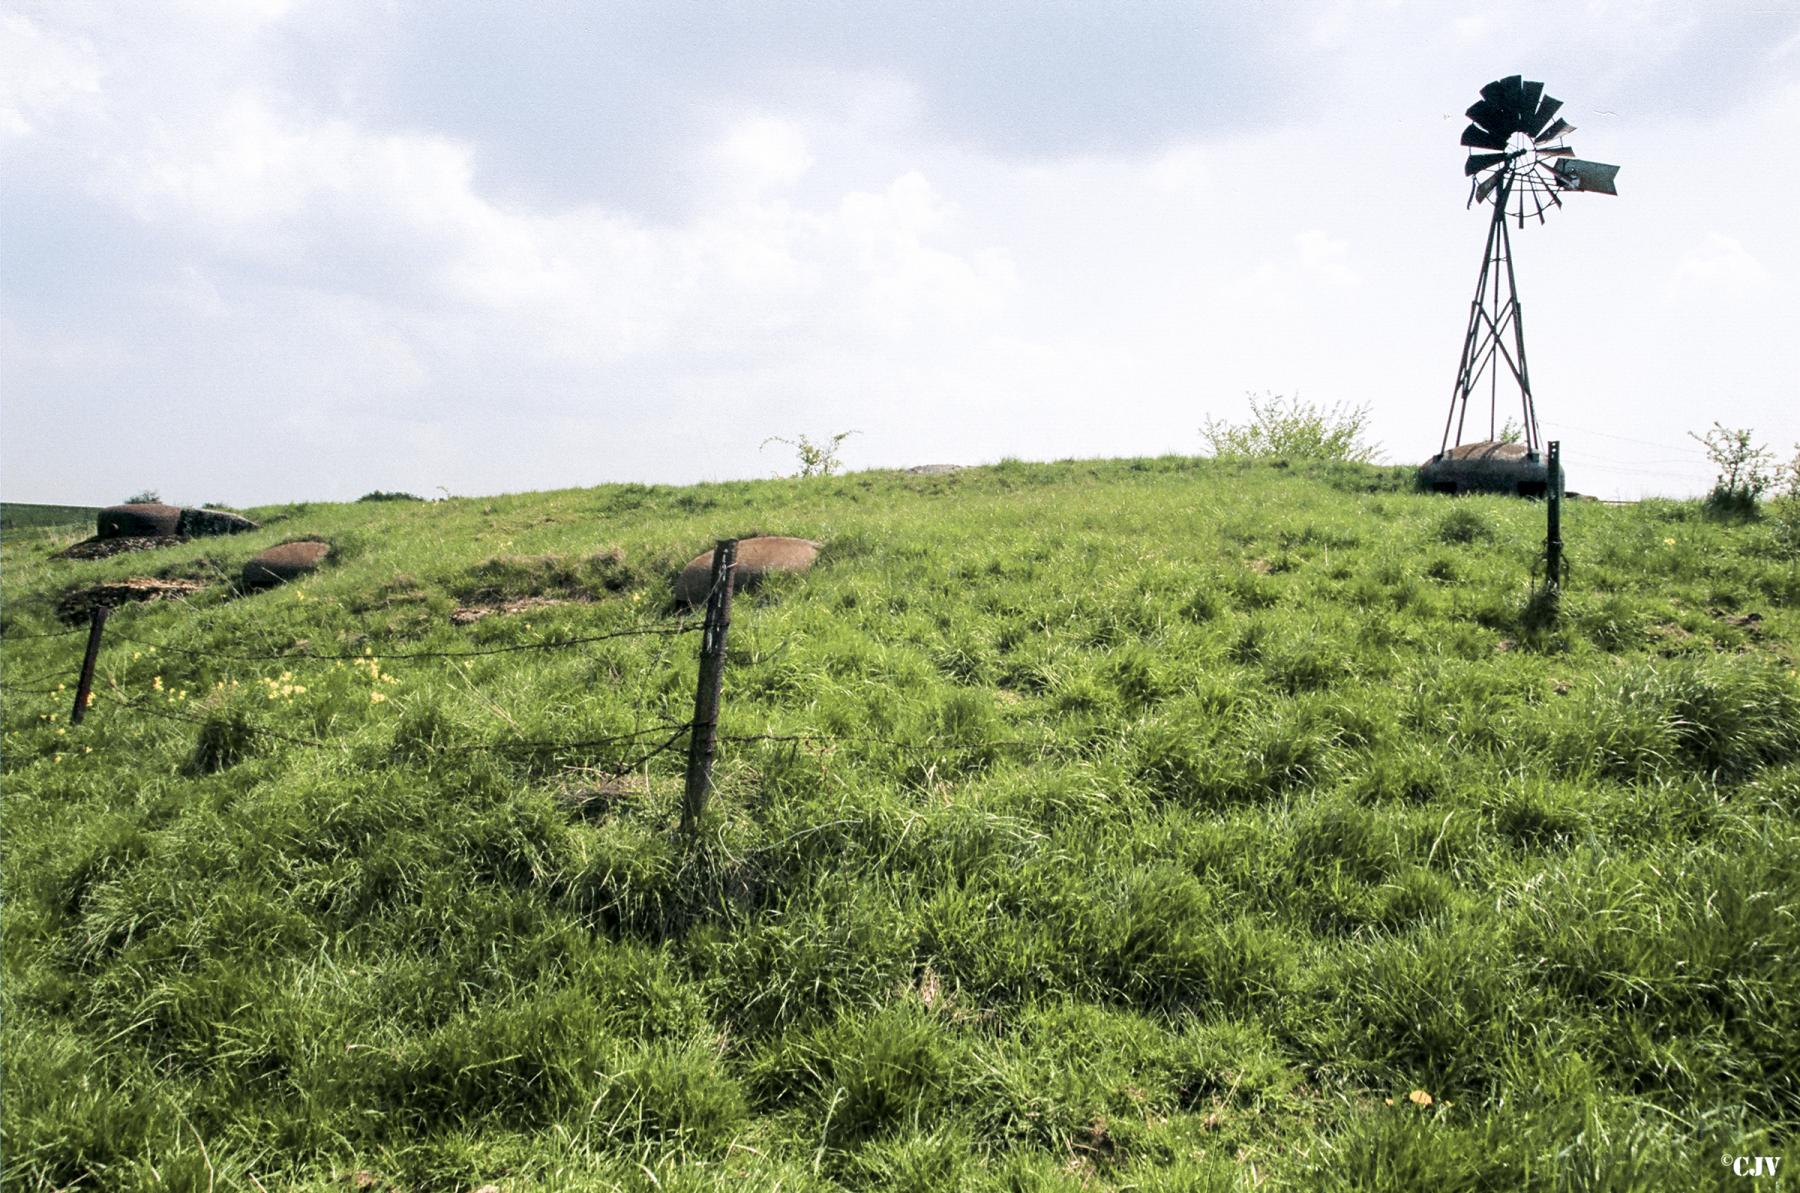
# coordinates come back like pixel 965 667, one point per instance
pixel 143 519
pixel 1487 467
pixel 289 561
pixel 756 557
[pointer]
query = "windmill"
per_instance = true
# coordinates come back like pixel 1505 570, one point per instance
pixel 1520 163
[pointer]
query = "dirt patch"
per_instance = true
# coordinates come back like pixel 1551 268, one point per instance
pixel 1750 623
pixel 78 605
pixel 596 800
pixel 510 577
pixel 103 548
pixel 469 614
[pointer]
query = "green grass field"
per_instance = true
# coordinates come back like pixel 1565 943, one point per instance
pixel 17 517
pixel 1154 824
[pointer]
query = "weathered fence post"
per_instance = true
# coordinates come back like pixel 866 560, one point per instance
pixel 85 687
pixel 1553 544
pixel 703 736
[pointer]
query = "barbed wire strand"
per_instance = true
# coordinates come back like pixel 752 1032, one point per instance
pixel 405 656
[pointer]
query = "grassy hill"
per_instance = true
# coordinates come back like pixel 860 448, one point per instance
pixel 17 517
pixel 1162 824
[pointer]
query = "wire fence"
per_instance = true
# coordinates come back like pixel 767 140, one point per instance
pixel 629 751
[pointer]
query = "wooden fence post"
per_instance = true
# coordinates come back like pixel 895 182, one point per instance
pixel 704 735
pixel 84 689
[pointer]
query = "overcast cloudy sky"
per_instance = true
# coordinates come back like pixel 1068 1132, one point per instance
pixel 262 250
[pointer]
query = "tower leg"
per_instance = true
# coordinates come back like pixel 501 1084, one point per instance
pixel 1491 316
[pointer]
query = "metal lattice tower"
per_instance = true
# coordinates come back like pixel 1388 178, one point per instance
pixel 1525 167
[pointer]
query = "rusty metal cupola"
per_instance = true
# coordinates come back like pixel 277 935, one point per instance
pixel 1520 163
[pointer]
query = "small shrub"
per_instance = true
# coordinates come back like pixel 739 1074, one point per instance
pixel 383 495
pixel 1282 428
pixel 1747 470
pixel 1784 510
pixel 144 497
pixel 815 458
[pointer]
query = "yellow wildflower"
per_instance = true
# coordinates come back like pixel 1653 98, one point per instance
pixel 377 697
pixel 1419 1098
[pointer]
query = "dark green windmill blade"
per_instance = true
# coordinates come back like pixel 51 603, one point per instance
pixel 1495 92
pixel 1514 87
pixel 1534 93
pixel 1534 124
pixel 1494 118
pixel 1561 128
pixel 1480 161
pixel 1476 137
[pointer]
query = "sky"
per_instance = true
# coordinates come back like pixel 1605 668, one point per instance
pixel 274 250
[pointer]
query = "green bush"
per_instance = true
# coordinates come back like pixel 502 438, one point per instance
pixel 1282 428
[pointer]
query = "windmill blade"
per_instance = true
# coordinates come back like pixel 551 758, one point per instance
pixel 1493 117
pixel 1535 120
pixel 1573 174
pixel 1561 128
pixel 1476 137
pixel 1480 161
pixel 1515 98
pixel 1487 185
pixel 1495 92
pixel 1556 151
pixel 1529 105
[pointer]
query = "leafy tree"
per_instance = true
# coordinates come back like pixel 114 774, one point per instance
pixel 815 458
pixel 1288 428
pixel 147 497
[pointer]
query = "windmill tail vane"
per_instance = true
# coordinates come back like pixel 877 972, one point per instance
pixel 1520 161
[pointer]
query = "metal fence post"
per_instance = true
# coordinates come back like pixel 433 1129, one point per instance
pixel 703 736
pixel 1553 544
pixel 85 687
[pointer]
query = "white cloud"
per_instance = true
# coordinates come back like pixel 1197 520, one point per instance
pixel 40 74
pixel 1719 265
pixel 1325 258
pixel 765 154
pixel 235 220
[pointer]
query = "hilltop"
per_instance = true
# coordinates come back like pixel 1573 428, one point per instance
pixel 1160 823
